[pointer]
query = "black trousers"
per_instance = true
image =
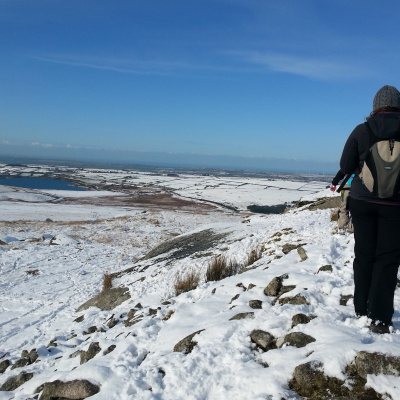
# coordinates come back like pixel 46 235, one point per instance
pixel 377 257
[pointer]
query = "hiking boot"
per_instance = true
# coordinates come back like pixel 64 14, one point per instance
pixel 380 328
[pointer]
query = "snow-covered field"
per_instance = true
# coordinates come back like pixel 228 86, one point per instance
pixel 49 268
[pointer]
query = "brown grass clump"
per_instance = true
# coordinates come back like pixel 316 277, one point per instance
pixel 107 281
pixel 187 282
pixel 255 255
pixel 220 268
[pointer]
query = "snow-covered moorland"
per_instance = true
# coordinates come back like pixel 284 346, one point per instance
pixel 288 310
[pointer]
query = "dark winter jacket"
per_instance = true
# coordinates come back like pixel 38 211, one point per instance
pixel 338 177
pixel 385 125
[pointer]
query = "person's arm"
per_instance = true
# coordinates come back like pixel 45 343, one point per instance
pixel 335 181
pixel 349 162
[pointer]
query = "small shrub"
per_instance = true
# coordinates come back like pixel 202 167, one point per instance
pixel 107 281
pixel 187 282
pixel 220 268
pixel 255 255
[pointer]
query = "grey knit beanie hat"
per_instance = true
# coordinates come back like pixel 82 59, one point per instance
pixel 386 96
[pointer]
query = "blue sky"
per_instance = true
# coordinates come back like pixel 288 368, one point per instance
pixel 234 83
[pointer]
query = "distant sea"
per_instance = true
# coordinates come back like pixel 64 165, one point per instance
pixel 39 183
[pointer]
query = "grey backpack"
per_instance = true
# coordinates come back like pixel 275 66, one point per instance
pixel 381 169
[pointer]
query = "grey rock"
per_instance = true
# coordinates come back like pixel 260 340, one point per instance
pixel 376 363
pixel 4 365
pixel 33 356
pixel 243 315
pixel 91 352
pixel 22 362
pixel 152 311
pixel 325 268
pixel 79 319
pixel 301 319
pixel 286 289
pixel 186 245
pixel 72 390
pixel 109 349
pixel 131 322
pixel 310 382
pixel 90 330
pixel 187 344
pixel 263 340
pixel 344 298
pixel 295 300
pixel 131 313
pixel 302 253
pixel 275 286
pixel 255 304
pixel 251 286
pixel 112 322
pixel 234 298
pixel 107 300
pixel 16 381
pixel 298 339
pixel 24 354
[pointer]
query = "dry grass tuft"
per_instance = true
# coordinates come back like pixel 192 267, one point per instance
pixel 255 255
pixel 107 281
pixel 220 268
pixel 187 282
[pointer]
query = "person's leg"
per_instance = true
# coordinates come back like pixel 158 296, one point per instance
pixel 387 258
pixel 365 233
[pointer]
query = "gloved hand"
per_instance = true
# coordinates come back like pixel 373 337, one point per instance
pixel 332 188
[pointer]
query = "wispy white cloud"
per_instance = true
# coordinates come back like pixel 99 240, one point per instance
pixel 311 67
pixel 47 145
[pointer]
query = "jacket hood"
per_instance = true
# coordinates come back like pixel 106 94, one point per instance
pixel 385 125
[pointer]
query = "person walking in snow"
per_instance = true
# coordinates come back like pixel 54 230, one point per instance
pixel 375 209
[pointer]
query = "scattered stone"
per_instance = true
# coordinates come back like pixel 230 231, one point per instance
pixel 132 322
pixel 100 329
pixel 152 311
pixel 168 315
pixel 186 245
pixel 301 319
pixel 108 299
pixel 75 354
pixel 251 286
pixel 234 298
pixel 53 343
pixel 325 268
pixel 138 306
pixel 240 284
pixel 275 285
pixel 287 248
pixel 4 365
pixel 90 330
pixel 3 243
pixel 24 354
pixel 33 356
pixel 213 291
pixel 286 289
pixel 131 313
pixel 92 351
pixel 16 381
pixel 187 344
pixel 263 340
pixel 77 389
pixel 109 349
pixel 344 298
pixel 296 300
pixel 297 339
pixel 112 322
pixel 255 304
pixel 22 362
pixel 302 253
pixel 309 381
pixel 79 319
pixel 166 303
pixel 376 363
pixel 243 315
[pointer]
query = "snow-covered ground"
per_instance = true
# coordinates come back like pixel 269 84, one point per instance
pixel 49 268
